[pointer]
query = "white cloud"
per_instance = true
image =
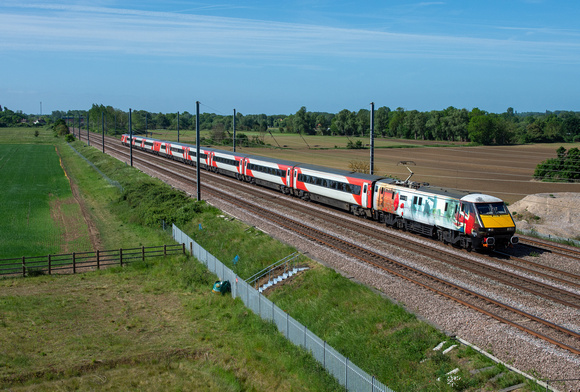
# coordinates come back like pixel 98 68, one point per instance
pixel 72 28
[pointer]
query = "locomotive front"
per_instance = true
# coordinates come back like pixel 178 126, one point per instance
pixel 496 227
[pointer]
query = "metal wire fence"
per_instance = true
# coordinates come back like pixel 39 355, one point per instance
pixel 347 373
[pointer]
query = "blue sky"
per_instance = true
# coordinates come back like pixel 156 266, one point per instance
pixel 274 57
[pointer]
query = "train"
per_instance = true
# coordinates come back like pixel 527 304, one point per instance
pixel 473 221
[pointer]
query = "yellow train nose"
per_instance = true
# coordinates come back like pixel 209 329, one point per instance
pixel 497 221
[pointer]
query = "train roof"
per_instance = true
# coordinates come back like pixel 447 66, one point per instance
pixel 473 197
pixel 449 192
pixel 341 172
pixel 481 198
pixel 273 160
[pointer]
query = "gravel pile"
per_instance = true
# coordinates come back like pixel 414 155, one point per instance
pixel 555 214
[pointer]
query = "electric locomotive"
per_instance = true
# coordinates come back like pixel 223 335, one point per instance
pixel 468 220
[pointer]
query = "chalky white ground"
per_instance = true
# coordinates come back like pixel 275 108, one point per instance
pixel 558 214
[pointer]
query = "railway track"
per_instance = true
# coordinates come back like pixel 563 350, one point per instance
pixel 547 246
pixel 544 329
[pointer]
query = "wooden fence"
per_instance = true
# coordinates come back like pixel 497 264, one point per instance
pixel 82 261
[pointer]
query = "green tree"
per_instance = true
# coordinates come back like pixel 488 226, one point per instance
pixel 343 123
pixel 60 128
pixel 397 123
pixel 363 122
pixel 565 167
pixel 481 129
pixel 433 125
pixel 382 120
pixel 300 121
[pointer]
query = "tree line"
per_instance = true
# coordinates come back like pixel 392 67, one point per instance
pixel 451 124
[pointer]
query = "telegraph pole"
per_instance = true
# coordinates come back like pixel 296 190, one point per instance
pixel 234 125
pixel 88 140
pixel 372 165
pixel 103 128
pixel 197 151
pixel 177 127
pixel 130 138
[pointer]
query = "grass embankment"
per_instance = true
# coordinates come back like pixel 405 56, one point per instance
pixel 157 326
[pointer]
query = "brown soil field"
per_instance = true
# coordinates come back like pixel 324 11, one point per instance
pixel 502 171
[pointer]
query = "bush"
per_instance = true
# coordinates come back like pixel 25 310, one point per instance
pixel 566 167
pixel 356 146
pixel 60 128
pixel 150 204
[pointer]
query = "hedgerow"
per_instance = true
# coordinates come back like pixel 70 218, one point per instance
pixel 152 204
pixel 566 167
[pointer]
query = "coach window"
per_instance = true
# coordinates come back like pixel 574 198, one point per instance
pixel 414 199
pixel 420 200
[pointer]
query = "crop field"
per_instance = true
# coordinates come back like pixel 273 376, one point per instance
pixel 39 214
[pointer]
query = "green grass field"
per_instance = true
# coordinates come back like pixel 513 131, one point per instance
pixel 37 203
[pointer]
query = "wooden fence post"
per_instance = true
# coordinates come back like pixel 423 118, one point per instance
pixel 98 260
pixel 143 253
pixel 49 264
pixel 183 247
pixel 164 250
pixel 121 256
pixel 23 266
pixel 74 263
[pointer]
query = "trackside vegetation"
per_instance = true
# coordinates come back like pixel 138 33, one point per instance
pixel 156 325
pixel 566 167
